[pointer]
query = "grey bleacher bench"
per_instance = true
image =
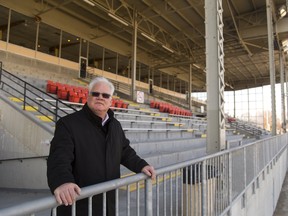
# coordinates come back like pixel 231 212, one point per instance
pixel 64 108
pixel 176 124
pixel 181 116
pixel 147 112
pixel 160 129
pixel 116 109
pixel 163 118
pixel 63 101
pixel 137 134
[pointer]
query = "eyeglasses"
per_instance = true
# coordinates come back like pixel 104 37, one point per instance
pixel 97 94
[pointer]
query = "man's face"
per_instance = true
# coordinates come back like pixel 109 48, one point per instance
pixel 98 103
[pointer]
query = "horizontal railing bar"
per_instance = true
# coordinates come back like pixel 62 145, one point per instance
pixel 23 158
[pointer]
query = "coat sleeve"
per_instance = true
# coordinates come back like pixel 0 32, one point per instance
pixel 130 159
pixel 60 159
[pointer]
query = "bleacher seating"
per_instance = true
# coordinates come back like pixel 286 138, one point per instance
pixel 159 121
pixel 160 136
pixel 67 92
pixel 150 123
pixel 141 124
pixel 160 132
pixel 77 94
pixel 169 108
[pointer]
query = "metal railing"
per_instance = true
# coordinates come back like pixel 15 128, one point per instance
pixel 48 105
pixel 205 186
pixel 31 97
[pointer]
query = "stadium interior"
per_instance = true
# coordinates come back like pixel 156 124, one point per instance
pixel 154 52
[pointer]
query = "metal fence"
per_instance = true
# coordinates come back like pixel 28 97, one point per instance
pixel 32 97
pixel 205 186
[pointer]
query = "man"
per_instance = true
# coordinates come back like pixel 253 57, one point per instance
pixel 87 148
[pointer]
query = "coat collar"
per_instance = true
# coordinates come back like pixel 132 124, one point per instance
pixel 96 119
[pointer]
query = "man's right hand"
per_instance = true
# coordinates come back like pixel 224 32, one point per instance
pixel 66 193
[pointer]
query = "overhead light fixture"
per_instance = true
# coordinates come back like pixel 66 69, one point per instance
pixel 148 37
pixel 283 11
pixel 197 66
pixel 230 86
pixel 167 48
pixel 89 2
pixel 285 42
pixel 285 45
pixel 118 19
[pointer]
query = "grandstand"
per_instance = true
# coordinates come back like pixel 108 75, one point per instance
pixel 228 174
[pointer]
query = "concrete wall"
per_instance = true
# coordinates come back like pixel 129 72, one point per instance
pixel 33 138
pixel 261 197
pixel 19 63
pixel 26 174
pixel 20 138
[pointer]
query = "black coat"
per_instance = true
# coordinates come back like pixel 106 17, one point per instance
pixel 85 152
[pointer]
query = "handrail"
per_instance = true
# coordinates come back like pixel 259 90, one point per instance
pixel 23 158
pixel 17 87
pixel 272 148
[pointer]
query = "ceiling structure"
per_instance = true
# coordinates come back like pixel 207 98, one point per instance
pixel 176 34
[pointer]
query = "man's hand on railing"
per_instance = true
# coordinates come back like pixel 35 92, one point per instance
pixel 149 171
pixel 66 193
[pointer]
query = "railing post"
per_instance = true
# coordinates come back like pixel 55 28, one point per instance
pixel 24 95
pixel 230 182
pixel 0 71
pixel 56 111
pixel 149 197
pixel 204 188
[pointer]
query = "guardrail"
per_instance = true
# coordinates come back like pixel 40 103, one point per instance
pixel 32 97
pixel 211 185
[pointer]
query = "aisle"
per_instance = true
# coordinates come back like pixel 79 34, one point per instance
pixel 282 204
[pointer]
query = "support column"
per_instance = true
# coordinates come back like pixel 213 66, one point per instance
pixel 8 29
pixel 215 76
pixel 160 79
pixel 37 38
pixel 190 88
pixel 281 63
pixel 117 63
pixel 134 57
pixel 271 64
pixel 139 77
pixel 103 59
pixel 248 99
pixel 60 46
pixel 234 103
pixel 286 84
pixel 168 82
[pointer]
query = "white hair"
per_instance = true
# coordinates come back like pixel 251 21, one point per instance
pixel 102 80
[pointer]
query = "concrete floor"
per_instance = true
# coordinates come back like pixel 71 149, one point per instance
pixel 282 204
pixel 10 197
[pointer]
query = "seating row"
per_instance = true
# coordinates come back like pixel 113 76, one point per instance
pixel 76 94
pixel 118 103
pixel 169 108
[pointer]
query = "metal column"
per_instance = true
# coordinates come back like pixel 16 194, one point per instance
pixel 234 104
pixel 271 64
pixel 134 57
pixel 215 76
pixel 190 88
pixel 286 83
pixel 282 91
